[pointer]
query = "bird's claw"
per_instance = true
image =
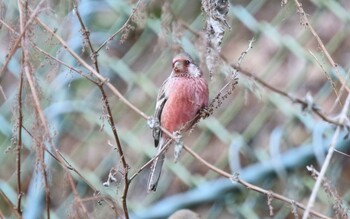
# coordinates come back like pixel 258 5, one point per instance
pixel 205 112
pixel 178 145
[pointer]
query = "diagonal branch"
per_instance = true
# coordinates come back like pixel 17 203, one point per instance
pixel 235 178
pixel 17 42
pixel 63 162
pixel 125 25
pixel 50 56
pixel 298 100
pixel 307 23
pixel 12 207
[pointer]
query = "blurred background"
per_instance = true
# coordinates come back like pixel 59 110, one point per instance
pixel 256 132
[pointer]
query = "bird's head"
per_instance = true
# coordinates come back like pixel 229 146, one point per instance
pixel 183 66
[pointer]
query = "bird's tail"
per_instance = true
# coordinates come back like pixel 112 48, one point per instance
pixel 156 170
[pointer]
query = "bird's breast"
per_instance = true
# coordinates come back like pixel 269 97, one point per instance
pixel 186 96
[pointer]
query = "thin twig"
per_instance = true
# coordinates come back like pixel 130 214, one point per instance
pixel 298 100
pixel 20 116
pixel 234 80
pixel 329 78
pixel 60 157
pixel 235 178
pixel 80 72
pixel 86 35
pixel 42 149
pixel 26 70
pixel 243 71
pixel 58 160
pixel 92 70
pixel 341 90
pixel 25 67
pixel 342 118
pixel 231 177
pixel 332 193
pixel 307 23
pixel 62 161
pixel 16 44
pixel 19 143
pixel 65 64
pixel 120 29
pixel 342 115
pixel 9 203
pixel 164 148
pixel 249 186
pixel 77 197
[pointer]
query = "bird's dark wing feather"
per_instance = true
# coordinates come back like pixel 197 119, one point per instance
pixel 161 100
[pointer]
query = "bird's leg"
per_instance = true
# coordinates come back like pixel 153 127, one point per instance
pixel 205 112
pixel 178 145
pixel 153 122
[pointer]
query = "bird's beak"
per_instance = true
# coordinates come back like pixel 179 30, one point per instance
pixel 178 66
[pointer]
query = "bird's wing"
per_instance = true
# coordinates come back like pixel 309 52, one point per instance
pixel 161 100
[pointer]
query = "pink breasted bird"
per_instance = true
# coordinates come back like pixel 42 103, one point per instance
pixel 182 95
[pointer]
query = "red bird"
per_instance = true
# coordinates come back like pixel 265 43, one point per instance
pixel 180 98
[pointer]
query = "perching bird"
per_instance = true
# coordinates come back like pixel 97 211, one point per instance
pixel 182 95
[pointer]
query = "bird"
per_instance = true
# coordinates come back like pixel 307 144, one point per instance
pixel 181 97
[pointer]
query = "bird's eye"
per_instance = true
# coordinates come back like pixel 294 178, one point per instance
pixel 187 62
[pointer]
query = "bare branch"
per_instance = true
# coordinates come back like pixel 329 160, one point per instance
pixel 20 118
pixel 61 160
pixel 86 36
pixel 342 118
pixel 249 186
pixel 92 70
pixel 250 75
pixel 23 8
pixel 16 44
pixel 42 118
pixel 120 29
pixel 44 124
pixel 19 143
pixel 12 207
pixel 50 56
pixel 307 23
